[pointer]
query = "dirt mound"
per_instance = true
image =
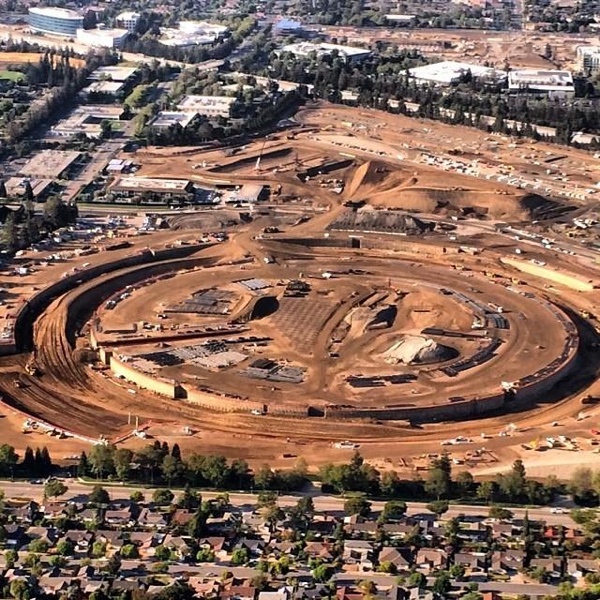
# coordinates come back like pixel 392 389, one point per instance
pixel 414 349
pixel 381 185
pixel 369 174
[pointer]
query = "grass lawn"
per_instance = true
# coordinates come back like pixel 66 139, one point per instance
pixel 12 75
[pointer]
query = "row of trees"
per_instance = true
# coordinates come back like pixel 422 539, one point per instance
pixel 24 227
pixel 158 463
pixel 36 463
pixel 514 486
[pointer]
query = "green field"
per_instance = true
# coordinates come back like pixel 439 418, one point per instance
pixel 12 75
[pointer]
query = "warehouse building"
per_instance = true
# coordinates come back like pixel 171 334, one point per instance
pixel 56 21
pixel 349 54
pixel 450 72
pixel 57 164
pixel 555 84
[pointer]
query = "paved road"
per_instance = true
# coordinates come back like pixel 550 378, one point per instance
pixel 322 502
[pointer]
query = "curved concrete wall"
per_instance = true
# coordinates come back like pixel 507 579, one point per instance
pixel 40 301
pixel 143 380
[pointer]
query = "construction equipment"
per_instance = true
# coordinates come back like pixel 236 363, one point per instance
pixel 31 368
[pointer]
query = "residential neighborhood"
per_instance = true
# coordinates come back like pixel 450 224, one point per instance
pixel 177 545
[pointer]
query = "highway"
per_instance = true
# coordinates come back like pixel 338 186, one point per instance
pixel 78 491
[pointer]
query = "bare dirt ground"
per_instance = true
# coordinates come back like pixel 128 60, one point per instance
pixel 518 49
pixel 71 395
pixel 20 58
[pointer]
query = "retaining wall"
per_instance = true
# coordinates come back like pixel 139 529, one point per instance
pixel 163 387
pixel 222 403
pixel 550 274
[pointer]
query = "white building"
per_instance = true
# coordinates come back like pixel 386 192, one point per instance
pixel 165 118
pixel 449 72
pixel 102 38
pixel 128 20
pixel 192 33
pixel 113 73
pixel 588 59
pixel 557 84
pixel 347 53
pixel 208 106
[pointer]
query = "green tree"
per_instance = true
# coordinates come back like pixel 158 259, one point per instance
pixel 357 505
pixel 98 549
pixel 83 468
pixel 163 496
pixel 438 507
pixel 457 571
pixel 205 555
pixel 322 573
pixel 10 233
pixel 394 510
pixel 465 482
pixel 136 496
pixel 171 468
pixel 98 496
pixel 129 551
pixel 497 512
pixel 19 589
pixel 162 553
pixel 8 459
pixel 439 477
pixel 10 558
pixel 416 580
pixel 581 484
pixel 65 547
pixel 240 556
pixel 442 584
pixel 54 488
pixel 122 460
pixel 38 546
pixel 101 460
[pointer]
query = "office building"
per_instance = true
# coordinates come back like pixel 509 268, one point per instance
pixel 102 38
pixel 56 21
pixel 556 84
pixel 128 20
pixel 588 59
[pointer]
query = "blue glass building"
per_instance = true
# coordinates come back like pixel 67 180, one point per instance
pixel 56 21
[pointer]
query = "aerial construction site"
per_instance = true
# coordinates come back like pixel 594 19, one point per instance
pixel 389 286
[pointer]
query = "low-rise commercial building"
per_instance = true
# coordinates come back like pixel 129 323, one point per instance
pixel 150 190
pixel 450 72
pixel 192 33
pixel 558 84
pixel 105 87
pixel 167 118
pixel 50 163
pixel 87 120
pixel 41 188
pixel 208 106
pixel 56 21
pixel 102 38
pixel 113 73
pixel 347 53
